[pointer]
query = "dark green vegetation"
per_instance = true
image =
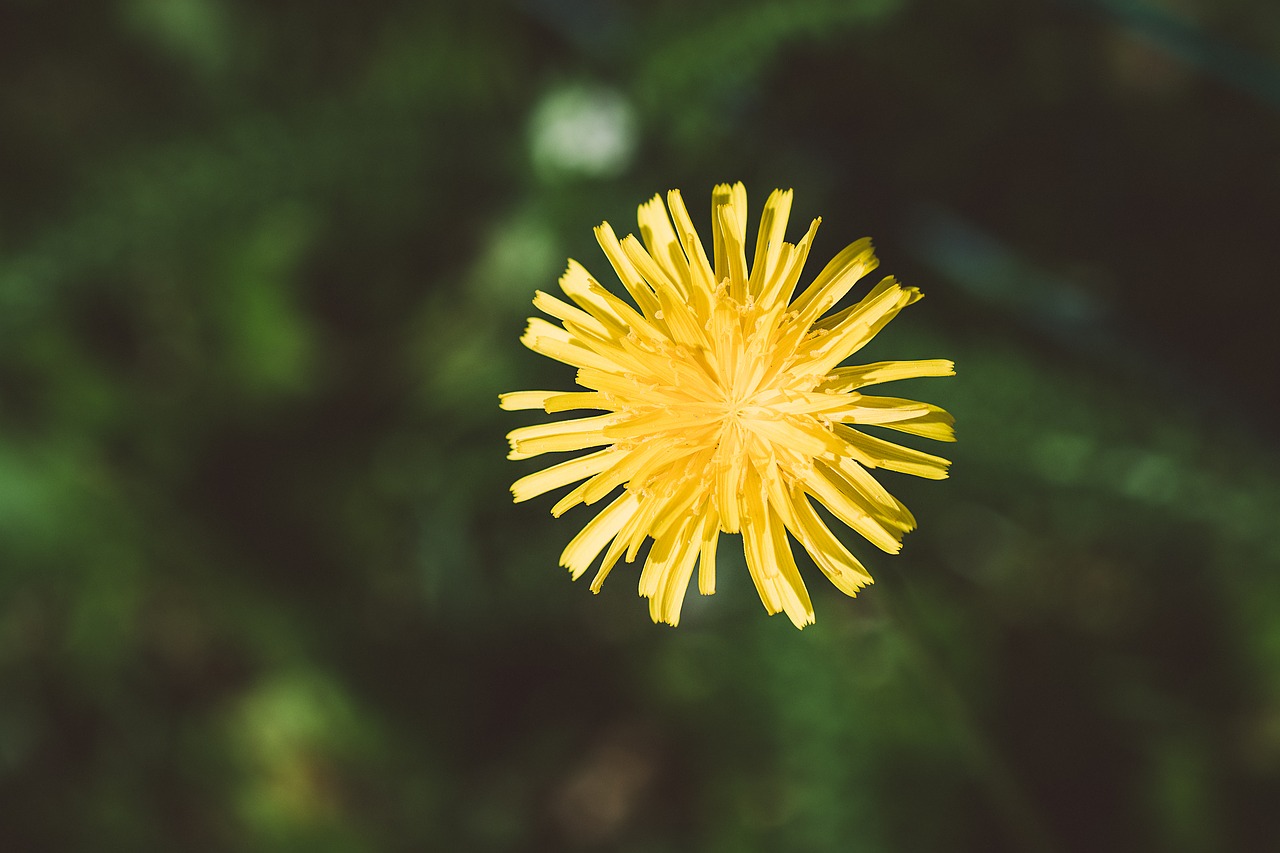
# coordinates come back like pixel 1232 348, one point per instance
pixel 263 266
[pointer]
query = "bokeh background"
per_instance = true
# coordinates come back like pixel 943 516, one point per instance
pixel 263 267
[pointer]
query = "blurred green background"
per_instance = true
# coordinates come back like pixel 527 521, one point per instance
pixel 263 267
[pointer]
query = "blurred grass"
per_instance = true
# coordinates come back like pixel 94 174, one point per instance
pixel 262 272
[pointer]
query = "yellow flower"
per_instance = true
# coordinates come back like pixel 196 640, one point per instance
pixel 724 410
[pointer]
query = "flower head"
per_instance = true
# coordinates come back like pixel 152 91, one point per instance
pixel 724 408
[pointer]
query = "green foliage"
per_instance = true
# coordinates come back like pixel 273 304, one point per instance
pixel 263 268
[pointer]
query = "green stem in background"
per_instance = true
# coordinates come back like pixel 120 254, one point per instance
pixel 1024 824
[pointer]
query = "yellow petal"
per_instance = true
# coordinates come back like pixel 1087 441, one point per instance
pixel 584 290
pixel 780 288
pixel 611 556
pixel 862 322
pixel 627 273
pixel 590 541
pixel 625 467
pixel 795 598
pixel 673 310
pixel 836 279
pixel 923 419
pixel 732 220
pixel 554 342
pixel 672 584
pixel 841 568
pixel 845 507
pixel 569 471
pixel 576 434
pixel 703 281
pixel 729 471
pixel 664 551
pixel 885 454
pixel 773 227
pixel 724 195
pixel 765 587
pixel 934 425
pixel 707 557
pixel 566 313
pixel 857 482
pixel 664 245
pixel 882 411
pixel 517 400
pixel 851 378
pixel 571 400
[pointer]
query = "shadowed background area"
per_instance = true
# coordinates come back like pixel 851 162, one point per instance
pixel 263 268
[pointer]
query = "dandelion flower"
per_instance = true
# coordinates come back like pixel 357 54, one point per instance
pixel 723 406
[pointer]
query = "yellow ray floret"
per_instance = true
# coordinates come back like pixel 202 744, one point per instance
pixel 722 406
